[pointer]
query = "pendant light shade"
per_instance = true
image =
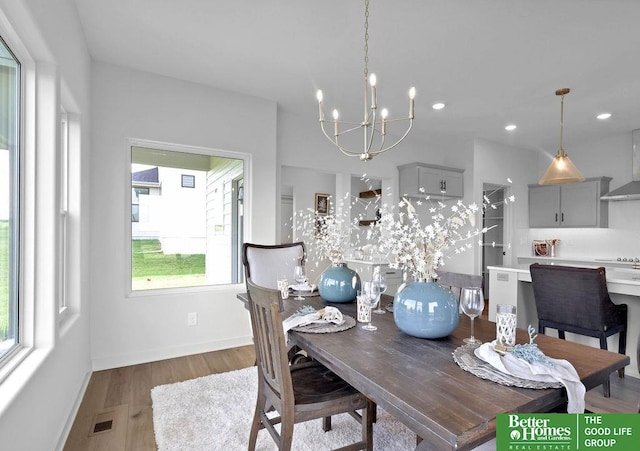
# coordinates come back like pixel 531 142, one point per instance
pixel 561 169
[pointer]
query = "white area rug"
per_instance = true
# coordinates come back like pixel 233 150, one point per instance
pixel 215 412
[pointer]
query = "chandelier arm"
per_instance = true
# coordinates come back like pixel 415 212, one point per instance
pixel 376 152
pixel 346 152
pixel 399 119
pixel 344 132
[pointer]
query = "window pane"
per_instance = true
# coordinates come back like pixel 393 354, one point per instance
pixel 185 237
pixel 9 227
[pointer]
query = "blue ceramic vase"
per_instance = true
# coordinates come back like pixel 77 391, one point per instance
pixel 339 284
pixel 426 310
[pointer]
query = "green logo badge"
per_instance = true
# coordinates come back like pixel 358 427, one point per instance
pixel 554 431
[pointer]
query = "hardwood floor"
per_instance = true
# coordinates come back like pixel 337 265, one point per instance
pixel 121 398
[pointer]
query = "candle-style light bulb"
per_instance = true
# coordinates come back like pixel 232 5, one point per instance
pixel 372 83
pixel 336 115
pixel 384 113
pixel 319 97
pixel 412 95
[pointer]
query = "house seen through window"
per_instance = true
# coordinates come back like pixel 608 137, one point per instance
pixel 185 237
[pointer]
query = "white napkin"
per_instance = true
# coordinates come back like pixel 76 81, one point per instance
pixel 562 371
pixel 303 287
pixel 323 316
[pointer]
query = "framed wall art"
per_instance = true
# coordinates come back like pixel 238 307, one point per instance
pixel 322 204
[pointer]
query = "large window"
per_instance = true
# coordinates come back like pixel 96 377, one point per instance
pixel 186 218
pixel 9 199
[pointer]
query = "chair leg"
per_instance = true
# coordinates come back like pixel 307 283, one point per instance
pixel 286 434
pixel 622 348
pixel 603 342
pixel 255 425
pixel 326 424
pixel 606 388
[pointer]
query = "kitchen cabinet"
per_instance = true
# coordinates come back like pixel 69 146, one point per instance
pixel 434 180
pixel 569 205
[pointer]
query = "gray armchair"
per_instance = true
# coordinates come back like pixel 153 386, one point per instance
pixel 576 300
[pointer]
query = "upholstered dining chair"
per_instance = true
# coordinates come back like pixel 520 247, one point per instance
pixel 573 299
pixel 265 263
pixel 297 392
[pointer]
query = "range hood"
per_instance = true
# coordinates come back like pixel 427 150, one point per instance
pixel 630 191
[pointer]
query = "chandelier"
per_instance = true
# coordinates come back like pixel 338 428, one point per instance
pixel 373 128
pixel 561 169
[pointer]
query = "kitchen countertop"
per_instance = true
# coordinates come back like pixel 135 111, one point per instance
pixel 619 280
pixel 607 262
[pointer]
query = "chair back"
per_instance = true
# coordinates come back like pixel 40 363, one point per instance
pixel 263 264
pixel 573 296
pixel 265 307
pixel 457 281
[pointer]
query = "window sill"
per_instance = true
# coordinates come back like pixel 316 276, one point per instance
pixel 17 372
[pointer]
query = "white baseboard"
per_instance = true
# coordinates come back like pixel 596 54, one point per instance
pixel 153 355
pixel 64 435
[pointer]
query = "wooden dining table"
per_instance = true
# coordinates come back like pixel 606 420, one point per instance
pixel 418 382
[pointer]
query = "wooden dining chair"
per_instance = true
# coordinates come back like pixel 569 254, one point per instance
pixel 573 299
pixel 457 281
pixel 296 392
pixel 263 264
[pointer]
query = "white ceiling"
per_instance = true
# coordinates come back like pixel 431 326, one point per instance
pixel 493 62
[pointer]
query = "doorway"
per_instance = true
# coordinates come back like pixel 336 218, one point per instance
pixel 493 243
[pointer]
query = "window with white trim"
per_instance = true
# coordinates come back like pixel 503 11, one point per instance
pixel 185 237
pixel 9 199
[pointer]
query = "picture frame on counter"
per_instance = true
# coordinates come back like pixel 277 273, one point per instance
pixel 540 248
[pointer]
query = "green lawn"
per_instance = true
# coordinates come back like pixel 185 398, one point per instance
pixel 149 261
pixel 150 269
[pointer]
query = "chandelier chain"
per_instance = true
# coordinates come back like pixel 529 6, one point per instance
pixel 366 38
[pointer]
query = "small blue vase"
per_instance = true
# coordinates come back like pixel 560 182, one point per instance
pixel 339 284
pixel 426 310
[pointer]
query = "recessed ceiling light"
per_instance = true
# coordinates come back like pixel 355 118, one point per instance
pixel 603 116
pixel 511 127
pixel 438 106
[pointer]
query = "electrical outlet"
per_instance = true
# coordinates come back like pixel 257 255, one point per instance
pixel 192 319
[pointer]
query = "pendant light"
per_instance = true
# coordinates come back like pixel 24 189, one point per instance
pixel 561 169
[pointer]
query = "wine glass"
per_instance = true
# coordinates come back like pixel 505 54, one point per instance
pixel 472 304
pixel 301 277
pixel 369 296
pixel 380 280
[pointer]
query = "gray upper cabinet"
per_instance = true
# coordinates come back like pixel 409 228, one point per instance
pixel 435 180
pixel 570 205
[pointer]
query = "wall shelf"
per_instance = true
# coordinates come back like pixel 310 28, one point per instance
pixel 371 193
